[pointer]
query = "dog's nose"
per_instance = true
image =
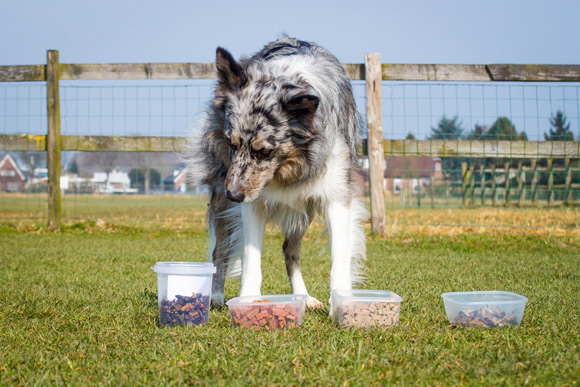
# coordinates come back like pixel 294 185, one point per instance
pixel 237 197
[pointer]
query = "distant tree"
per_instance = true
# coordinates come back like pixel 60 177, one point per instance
pixel 74 167
pixel 410 136
pixel 447 129
pixel 560 130
pixel 504 129
pixel 478 133
pixel 106 161
pixel 143 178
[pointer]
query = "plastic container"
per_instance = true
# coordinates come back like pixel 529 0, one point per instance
pixel 365 308
pixel 485 309
pixel 268 312
pixel 183 292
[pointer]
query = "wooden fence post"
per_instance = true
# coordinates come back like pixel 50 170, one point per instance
pixel 374 87
pixel 431 186
pixel 53 140
pixel 472 185
pixel 534 186
pixel 482 183
pixel 508 184
pixel 521 184
pixel 550 181
pixel 493 186
pixel 568 185
pixel 465 186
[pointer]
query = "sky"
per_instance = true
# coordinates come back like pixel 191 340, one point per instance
pixel 410 31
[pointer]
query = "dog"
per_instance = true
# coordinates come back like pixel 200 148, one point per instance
pixel 279 144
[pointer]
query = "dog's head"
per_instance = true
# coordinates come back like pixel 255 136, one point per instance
pixel 269 126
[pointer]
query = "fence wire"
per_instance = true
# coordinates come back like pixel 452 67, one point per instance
pixel 497 191
pixel 540 190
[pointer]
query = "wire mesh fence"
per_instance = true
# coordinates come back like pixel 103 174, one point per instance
pixel 537 189
pixel 498 190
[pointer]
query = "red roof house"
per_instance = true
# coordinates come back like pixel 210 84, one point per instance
pixel 11 177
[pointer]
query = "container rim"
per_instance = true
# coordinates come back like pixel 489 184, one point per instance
pixel 368 295
pixel 515 298
pixel 184 268
pixel 274 299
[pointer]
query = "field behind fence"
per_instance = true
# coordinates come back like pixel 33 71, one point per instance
pixel 445 145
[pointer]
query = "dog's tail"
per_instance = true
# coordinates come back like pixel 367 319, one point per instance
pixel 194 157
pixel 232 218
pixel 204 148
pixel 359 214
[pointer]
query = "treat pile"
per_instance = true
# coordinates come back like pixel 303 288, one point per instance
pixel 486 317
pixel 184 310
pixel 266 316
pixel 365 314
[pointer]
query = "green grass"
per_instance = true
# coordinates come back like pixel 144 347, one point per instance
pixel 80 307
pixel 190 210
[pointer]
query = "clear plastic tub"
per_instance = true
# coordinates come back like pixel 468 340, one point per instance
pixel 183 292
pixel 484 309
pixel 268 312
pixel 365 308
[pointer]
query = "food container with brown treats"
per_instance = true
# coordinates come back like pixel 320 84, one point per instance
pixel 183 292
pixel 484 309
pixel 267 312
pixel 365 308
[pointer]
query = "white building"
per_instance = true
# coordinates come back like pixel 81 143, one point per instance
pixel 114 182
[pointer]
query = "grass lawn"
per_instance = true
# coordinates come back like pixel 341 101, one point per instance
pixel 80 307
pixel 188 209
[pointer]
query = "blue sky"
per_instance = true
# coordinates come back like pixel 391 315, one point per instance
pixel 411 31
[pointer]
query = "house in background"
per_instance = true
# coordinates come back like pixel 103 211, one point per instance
pixel 113 183
pixel 175 181
pixel 411 173
pixel 11 177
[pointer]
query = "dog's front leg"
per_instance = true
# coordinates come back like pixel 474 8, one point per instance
pixel 254 223
pixel 291 250
pixel 338 223
pixel 219 250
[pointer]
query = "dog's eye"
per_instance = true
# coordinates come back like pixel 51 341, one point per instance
pixel 263 153
pixel 233 147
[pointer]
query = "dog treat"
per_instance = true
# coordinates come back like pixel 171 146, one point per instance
pixel 486 317
pixel 364 315
pixel 184 310
pixel 268 317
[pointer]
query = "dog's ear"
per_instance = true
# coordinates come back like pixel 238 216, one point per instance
pixel 229 72
pixel 301 110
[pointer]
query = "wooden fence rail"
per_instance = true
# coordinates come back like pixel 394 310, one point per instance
pixel 54 143
pixel 356 72
pixel 527 183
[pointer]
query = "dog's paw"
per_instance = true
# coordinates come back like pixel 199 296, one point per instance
pixel 313 303
pixel 217 303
